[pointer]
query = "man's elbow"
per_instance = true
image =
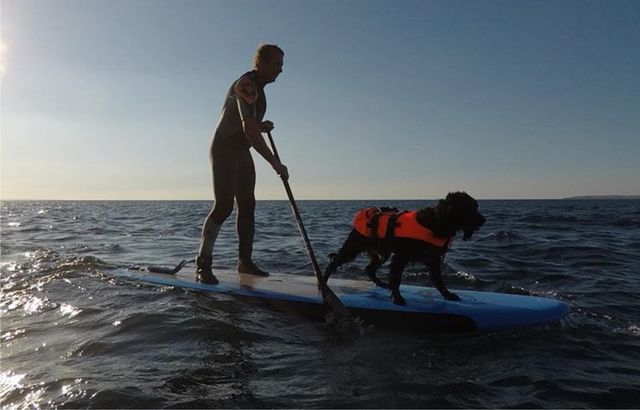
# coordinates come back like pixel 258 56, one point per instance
pixel 251 130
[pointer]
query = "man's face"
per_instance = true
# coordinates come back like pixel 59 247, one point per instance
pixel 271 67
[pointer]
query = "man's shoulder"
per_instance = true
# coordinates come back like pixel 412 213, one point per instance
pixel 246 88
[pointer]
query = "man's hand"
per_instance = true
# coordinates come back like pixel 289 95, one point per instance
pixel 281 170
pixel 266 126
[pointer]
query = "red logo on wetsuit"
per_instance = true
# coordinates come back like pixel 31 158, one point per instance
pixel 246 89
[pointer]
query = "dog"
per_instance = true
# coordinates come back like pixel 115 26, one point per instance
pixel 408 237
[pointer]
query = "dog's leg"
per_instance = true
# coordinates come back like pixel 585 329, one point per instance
pixel 436 277
pixel 398 263
pixel 351 248
pixel 375 261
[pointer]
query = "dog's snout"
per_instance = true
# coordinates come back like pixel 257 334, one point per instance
pixel 477 220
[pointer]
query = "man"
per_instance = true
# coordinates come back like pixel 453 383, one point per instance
pixel 234 176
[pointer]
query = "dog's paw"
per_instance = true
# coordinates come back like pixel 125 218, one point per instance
pixel 383 285
pixel 398 300
pixel 452 297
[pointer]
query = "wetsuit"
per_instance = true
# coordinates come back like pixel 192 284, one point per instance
pixel 234 174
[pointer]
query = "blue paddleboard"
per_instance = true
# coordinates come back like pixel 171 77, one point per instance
pixel 426 309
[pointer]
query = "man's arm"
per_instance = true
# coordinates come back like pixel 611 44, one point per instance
pixel 247 94
pixel 252 131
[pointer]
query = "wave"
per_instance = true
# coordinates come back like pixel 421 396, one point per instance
pixel 626 223
pixel 501 236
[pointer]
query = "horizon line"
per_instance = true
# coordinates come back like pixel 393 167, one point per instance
pixel 584 197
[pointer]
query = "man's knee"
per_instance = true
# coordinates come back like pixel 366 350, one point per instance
pixel 221 211
pixel 246 208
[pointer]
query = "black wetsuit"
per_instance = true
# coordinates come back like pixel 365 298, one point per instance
pixel 234 174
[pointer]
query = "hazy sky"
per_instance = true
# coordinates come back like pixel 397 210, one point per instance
pixel 113 99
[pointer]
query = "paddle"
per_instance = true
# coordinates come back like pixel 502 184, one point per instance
pixel 328 296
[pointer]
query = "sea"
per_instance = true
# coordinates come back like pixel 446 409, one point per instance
pixel 73 335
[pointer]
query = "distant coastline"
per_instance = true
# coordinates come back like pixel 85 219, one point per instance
pixel 604 197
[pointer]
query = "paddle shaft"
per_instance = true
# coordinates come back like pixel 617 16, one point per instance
pixel 296 212
pixel 328 296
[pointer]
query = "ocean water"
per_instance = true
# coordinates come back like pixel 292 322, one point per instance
pixel 74 336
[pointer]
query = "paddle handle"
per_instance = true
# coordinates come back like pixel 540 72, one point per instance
pixel 296 212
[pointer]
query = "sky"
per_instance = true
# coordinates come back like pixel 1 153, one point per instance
pixel 118 99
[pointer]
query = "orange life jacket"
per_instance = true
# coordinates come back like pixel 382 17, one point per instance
pixel 372 222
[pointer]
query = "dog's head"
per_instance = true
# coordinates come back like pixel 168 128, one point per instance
pixel 459 212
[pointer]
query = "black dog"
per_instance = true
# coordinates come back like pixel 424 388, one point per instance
pixel 420 236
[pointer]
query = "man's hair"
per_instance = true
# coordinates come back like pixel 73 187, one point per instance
pixel 265 52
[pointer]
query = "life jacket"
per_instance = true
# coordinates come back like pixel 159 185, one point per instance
pixel 373 222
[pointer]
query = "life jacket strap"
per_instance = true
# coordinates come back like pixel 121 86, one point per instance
pixel 447 245
pixel 373 224
pixel 392 224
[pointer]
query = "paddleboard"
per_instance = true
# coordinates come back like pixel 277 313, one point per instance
pixel 425 310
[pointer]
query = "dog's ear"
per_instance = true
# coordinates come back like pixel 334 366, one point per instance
pixel 444 206
pixel 441 215
pixel 447 207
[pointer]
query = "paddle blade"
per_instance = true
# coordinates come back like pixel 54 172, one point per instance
pixel 334 302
